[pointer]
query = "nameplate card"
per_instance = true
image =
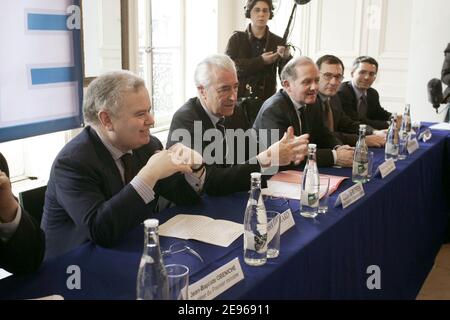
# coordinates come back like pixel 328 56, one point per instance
pixel 350 196
pixel 413 145
pixel 217 282
pixel 287 221
pixel 386 168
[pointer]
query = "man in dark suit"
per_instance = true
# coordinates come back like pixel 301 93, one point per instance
pixel 295 105
pixel 22 242
pixel 108 179
pixel 345 129
pixel 200 124
pixel 359 100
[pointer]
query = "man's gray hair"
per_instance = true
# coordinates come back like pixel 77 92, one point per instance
pixel 289 72
pixel 106 91
pixel 204 70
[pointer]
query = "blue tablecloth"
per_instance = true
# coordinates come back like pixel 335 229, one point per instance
pixel 398 226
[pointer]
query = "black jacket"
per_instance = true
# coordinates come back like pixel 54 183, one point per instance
pixel 345 129
pixel 87 200
pixel 377 117
pixel 252 70
pixel 25 250
pixel 278 112
pixel 220 179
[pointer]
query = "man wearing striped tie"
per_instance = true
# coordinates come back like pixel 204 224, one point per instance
pixel 344 128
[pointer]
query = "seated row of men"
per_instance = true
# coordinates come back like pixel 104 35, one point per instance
pixel 114 174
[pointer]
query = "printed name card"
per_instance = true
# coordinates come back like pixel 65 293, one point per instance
pixel 386 168
pixel 413 145
pixel 350 196
pixel 217 282
pixel 287 221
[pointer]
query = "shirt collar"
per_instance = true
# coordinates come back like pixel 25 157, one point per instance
pixel 251 36
pixel 115 152
pixel 358 92
pixel 324 97
pixel 297 105
pixel 214 118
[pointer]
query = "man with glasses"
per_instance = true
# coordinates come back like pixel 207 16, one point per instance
pixel 295 105
pixel 345 129
pixel 257 52
pixel 359 100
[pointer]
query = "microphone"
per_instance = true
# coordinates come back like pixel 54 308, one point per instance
pixel 302 2
pixel 435 96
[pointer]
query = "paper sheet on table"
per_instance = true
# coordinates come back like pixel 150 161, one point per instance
pixel 286 184
pixel 202 228
pixel 441 126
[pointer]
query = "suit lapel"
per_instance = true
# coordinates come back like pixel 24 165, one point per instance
pixel 108 166
pixel 292 114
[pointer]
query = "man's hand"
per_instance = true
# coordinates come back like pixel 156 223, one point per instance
pixel 270 57
pixel 375 141
pixel 345 156
pixel 8 205
pixel 184 155
pixel 161 165
pixel 289 149
pixel 284 52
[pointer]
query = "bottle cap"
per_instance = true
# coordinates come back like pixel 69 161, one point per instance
pixel 312 146
pixel 362 126
pixel 255 175
pixel 151 223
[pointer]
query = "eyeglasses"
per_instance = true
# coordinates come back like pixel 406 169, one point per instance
pixel 327 76
pixel 181 246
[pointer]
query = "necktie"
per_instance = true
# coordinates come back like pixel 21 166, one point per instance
pixel 362 109
pixel 300 112
pixel 220 125
pixel 328 113
pixel 129 170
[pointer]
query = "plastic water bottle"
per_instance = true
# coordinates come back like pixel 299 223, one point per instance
pixel 360 168
pixel 255 225
pixel 309 197
pixel 152 277
pixel 392 140
pixel 404 133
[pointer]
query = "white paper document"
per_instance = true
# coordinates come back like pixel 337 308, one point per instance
pixel 441 126
pixel 202 228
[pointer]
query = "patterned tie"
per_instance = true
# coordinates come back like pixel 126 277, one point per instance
pixel 300 112
pixel 129 169
pixel 362 109
pixel 328 113
pixel 220 125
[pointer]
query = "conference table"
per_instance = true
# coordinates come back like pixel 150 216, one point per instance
pixel 398 227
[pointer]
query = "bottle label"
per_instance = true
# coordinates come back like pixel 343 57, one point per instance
pixel 310 199
pixel 391 148
pixel 256 242
pixel 360 168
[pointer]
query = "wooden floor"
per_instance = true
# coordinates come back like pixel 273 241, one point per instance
pixel 437 284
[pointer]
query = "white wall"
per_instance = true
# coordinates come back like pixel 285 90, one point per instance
pixel 430 33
